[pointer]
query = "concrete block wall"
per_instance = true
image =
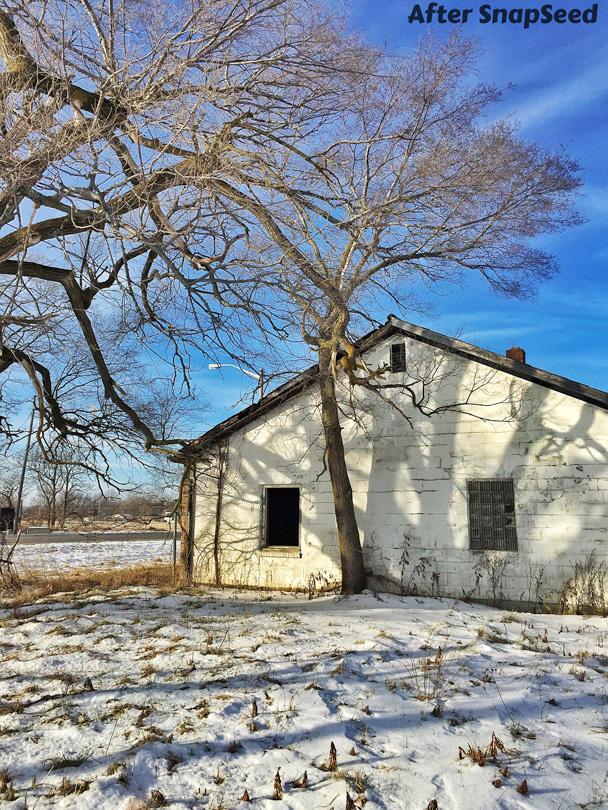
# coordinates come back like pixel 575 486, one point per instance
pixel 409 482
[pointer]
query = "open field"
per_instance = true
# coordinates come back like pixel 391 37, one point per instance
pixel 55 557
pixel 42 570
pixel 195 698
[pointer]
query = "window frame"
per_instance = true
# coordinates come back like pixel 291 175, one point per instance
pixel 399 365
pixel 265 522
pixel 492 520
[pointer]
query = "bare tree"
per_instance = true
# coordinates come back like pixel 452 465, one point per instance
pixel 415 188
pixel 209 171
pixel 59 484
pixel 123 125
pixel 9 480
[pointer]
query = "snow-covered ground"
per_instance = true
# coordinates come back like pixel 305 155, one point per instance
pixel 194 700
pixel 62 556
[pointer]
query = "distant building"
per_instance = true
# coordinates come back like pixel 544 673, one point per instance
pixel 7 518
pixel 494 496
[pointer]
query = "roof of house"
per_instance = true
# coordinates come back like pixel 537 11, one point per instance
pixel 395 326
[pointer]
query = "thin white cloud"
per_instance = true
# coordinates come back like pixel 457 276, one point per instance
pixel 507 334
pixel 594 202
pixel 586 303
pixel 563 99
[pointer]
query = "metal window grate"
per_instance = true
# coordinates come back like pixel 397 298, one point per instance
pixel 398 357
pixel 492 515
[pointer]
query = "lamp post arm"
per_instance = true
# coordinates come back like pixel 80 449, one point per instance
pixel 255 376
pixel 259 377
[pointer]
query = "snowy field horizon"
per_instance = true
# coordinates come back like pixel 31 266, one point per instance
pixel 65 556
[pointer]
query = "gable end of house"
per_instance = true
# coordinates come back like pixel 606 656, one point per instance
pixel 395 327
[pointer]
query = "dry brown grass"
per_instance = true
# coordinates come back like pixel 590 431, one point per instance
pixel 38 584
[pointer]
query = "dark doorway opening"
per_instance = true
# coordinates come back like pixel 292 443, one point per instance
pixel 282 516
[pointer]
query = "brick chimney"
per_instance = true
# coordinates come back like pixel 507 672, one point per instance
pixel 516 353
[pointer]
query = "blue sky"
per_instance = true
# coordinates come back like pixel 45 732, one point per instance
pixel 560 73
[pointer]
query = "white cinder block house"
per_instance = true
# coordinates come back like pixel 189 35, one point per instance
pixel 494 487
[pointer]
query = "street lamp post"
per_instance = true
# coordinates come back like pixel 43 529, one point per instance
pixel 18 510
pixel 256 376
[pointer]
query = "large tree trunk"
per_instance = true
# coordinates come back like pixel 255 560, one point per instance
pixel 187 539
pixel 351 554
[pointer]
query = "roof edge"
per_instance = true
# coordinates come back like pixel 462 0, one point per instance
pixel 547 379
pixel 394 325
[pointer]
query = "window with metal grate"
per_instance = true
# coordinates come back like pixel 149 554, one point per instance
pixel 492 515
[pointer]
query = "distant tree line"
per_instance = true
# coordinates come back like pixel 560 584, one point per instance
pixel 62 496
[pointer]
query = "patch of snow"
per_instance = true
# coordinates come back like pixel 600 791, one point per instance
pixel 65 555
pixel 204 697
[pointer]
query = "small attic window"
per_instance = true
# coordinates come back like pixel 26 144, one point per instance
pixel 398 357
